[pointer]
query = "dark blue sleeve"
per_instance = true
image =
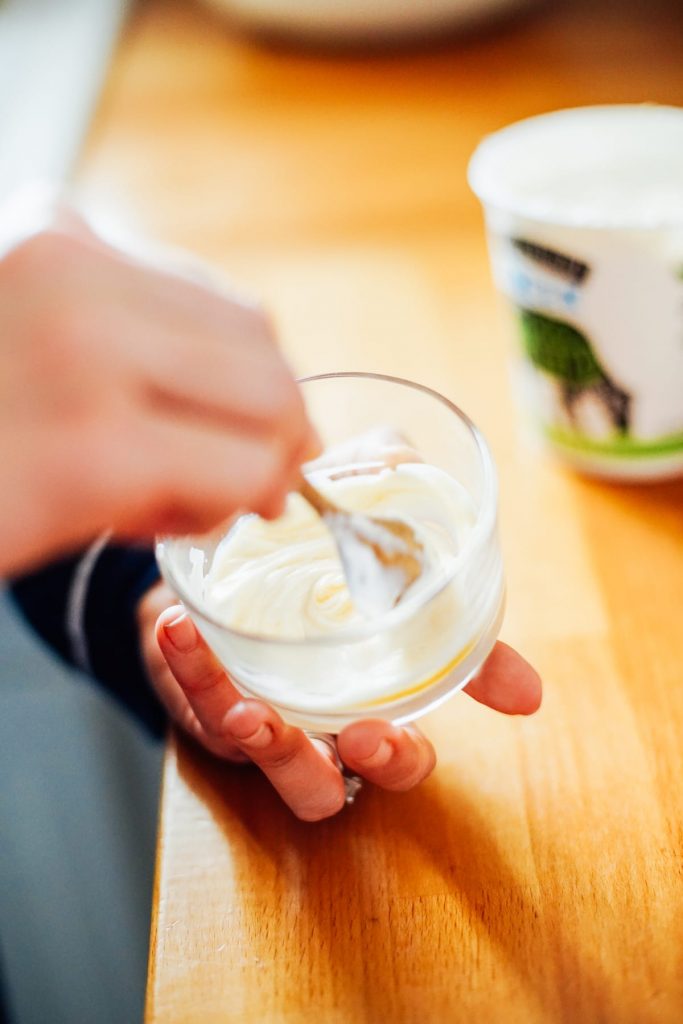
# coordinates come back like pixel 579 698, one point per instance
pixel 84 608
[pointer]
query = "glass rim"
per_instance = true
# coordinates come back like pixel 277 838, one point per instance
pixel 493 197
pixel 483 526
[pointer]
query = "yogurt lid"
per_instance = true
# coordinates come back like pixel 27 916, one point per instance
pixel 616 166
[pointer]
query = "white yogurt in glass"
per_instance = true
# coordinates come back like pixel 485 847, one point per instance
pixel 271 600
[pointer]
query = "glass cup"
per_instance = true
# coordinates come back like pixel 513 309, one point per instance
pixel 419 653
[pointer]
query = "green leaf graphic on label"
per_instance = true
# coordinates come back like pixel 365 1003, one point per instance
pixel 559 349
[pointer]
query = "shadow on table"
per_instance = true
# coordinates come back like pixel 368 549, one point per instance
pixel 382 909
pixel 660 503
pixel 445 37
pixel 634 537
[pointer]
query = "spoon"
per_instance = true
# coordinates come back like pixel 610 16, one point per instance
pixel 381 557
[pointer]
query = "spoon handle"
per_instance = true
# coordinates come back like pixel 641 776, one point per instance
pixel 314 498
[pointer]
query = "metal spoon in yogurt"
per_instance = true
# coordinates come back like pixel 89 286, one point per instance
pixel 381 557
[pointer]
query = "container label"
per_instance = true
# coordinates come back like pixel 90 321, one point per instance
pixel 600 339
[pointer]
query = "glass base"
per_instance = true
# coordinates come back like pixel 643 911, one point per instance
pixel 409 708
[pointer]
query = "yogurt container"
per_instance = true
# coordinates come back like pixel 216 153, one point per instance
pixel 584 216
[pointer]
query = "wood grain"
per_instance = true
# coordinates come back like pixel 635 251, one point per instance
pixel 538 876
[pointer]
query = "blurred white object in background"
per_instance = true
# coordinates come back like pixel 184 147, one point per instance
pixel 361 20
pixel 54 55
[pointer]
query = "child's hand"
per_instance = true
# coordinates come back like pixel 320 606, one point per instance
pixel 132 399
pixel 200 698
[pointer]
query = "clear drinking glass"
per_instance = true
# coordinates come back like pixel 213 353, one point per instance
pixel 416 656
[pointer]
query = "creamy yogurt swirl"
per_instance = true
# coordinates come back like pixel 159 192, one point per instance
pixel 284 579
pixel 271 600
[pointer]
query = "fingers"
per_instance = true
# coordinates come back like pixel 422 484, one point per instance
pixel 191 477
pixel 389 756
pixel 191 408
pixel 202 699
pixel 507 683
pixel 227 411
pixel 198 672
pixel 300 771
pixel 231 727
pixel 166 686
pixel 230 373
pixel 214 360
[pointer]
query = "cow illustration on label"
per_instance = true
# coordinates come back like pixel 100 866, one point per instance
pixel 564 354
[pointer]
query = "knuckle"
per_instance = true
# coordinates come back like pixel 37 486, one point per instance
pixel 280 758
pixel 258 321
pixel 413 775
pixel 45 254
pixel 203 681
pixel 249 325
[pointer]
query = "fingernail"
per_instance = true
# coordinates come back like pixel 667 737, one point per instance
pixel 257 740
pixel 380 757
pixel 181 633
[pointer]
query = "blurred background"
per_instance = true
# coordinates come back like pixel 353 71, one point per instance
pixel 316 152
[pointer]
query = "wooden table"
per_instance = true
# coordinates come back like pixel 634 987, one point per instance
pixel 538 876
